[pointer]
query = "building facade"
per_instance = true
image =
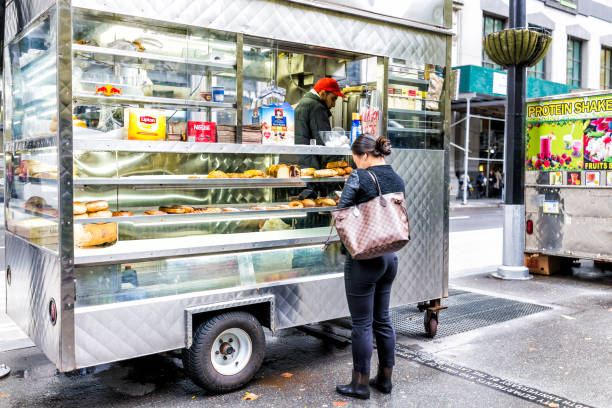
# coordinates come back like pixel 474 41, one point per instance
pixel 580 58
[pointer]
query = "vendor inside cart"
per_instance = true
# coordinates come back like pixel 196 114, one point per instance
pixel 312 116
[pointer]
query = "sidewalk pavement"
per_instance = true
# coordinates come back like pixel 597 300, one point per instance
pixel 475 203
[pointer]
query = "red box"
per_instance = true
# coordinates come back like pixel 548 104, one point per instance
pixel 201 132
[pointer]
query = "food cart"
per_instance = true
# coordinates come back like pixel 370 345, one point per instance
pixel 146 209
pixel 568 181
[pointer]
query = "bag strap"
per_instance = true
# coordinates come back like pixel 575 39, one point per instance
pixel 326 244
pixel 375 181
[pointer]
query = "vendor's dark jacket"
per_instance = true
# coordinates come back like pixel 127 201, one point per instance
pixel 311 116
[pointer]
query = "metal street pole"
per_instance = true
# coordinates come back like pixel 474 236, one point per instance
pixel 513 266
pixel 466 152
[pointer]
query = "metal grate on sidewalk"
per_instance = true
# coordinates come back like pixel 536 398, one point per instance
pixel 466 311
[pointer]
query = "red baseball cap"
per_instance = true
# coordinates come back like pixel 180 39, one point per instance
pixel 329 85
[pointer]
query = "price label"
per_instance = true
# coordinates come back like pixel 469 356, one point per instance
pixel 550 207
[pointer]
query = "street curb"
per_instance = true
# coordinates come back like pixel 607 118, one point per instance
pixel 461 207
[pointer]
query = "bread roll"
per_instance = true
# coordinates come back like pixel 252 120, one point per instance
pixel 278 171
pixel 336 164
pixel 340 171
pixel 254 173
pixel 86 235
pixel 325 202
pixel 296 204
pixel 308 203
pixel 307 172
pixel 217 174
pixel 99 205
pixel 348 170
pixel 76 216
pixel 100 214
pixel 78 208
pixel 325 173
pixel 122 213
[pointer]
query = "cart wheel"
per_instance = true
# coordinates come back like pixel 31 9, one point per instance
pixel 431 324
pixel 226 353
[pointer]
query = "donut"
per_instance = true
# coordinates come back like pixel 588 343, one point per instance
pixel 175 209
pixel 78 208
pixel 100 214
pixel 296 204
pixel 99 205
pixel 308 203
pixel 154 212
pixel 122 213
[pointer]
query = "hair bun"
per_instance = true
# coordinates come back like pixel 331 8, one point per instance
pixel 383 146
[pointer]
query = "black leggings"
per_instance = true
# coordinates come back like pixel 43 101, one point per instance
pixel 368 290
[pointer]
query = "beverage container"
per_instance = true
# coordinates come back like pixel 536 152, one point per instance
pixel 218 93
pixel 355 127
pixel 575 180
pixel 546 146
pixel 205 132
pixel 577 146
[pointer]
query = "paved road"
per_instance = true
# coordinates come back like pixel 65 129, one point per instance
pixel 470 219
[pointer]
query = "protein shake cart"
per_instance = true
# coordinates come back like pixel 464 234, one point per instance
pixel 208 282
pixel 568 183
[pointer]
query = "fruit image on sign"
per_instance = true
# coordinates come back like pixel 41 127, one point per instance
pixel 574 178
pixel 553 146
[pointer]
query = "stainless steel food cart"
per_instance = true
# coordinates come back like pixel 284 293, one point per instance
pixel 567 203
pixel 205 283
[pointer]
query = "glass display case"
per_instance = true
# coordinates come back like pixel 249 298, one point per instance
pixel 30 104
pixel 415 118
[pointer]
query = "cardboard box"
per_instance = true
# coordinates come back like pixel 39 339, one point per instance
pixel 277 124
pixel 543 264
pixel 204 132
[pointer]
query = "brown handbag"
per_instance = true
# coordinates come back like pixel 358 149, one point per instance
pixel 376 227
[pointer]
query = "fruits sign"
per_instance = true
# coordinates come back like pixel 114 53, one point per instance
pixel 569 134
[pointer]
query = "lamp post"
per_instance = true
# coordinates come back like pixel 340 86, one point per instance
pixel 516 48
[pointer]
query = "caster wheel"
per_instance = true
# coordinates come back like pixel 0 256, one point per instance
pixel 226 353
pixel 421 306
pixel 431 325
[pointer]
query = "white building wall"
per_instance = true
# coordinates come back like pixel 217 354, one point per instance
pixel 470 27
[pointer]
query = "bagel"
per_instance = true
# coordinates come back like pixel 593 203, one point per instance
pixel 95 206
pixel 175 209
pixel 154 212
pixel 296 204
pixel 122 213
pixel 308 203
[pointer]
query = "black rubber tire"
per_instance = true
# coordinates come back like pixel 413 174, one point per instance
pixel 431 326
pixel 196 359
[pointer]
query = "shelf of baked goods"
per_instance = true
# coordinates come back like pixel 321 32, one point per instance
pixel 127 54
pixel 197 147
pixel 149 249
pixel 414 112
pixel 88 97
pixel 276 175
pixel 177 214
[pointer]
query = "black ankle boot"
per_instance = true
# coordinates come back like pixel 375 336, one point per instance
pixel 357 388
pixel 382 382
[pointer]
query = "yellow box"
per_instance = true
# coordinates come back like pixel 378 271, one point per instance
pixel 147 124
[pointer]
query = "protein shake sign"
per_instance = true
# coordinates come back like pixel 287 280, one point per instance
pixel 569 134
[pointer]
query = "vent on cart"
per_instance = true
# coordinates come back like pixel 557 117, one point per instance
pixel 466 311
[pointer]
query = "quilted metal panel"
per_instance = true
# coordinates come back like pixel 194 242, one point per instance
pixel 421 262
pixel 289 22
pixel 34 282
pixel 125 330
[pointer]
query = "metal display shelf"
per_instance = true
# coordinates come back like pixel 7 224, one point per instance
pixel 150 100
pixel 413 130
pixel 211 217
pixel 205 182
pixel 415 112
pixel 411 81
pixel 195 147
pixel 148 249
pixel 145 55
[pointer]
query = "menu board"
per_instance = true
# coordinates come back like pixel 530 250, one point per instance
pixel 569 134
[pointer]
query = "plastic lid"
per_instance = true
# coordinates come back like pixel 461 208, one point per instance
pixel 356 116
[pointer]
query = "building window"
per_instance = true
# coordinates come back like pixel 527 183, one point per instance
pixel 606 68
pixel 538 70
pixel 490 25
pixel 574 62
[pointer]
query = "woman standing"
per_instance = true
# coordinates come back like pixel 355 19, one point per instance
pixel 368 282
